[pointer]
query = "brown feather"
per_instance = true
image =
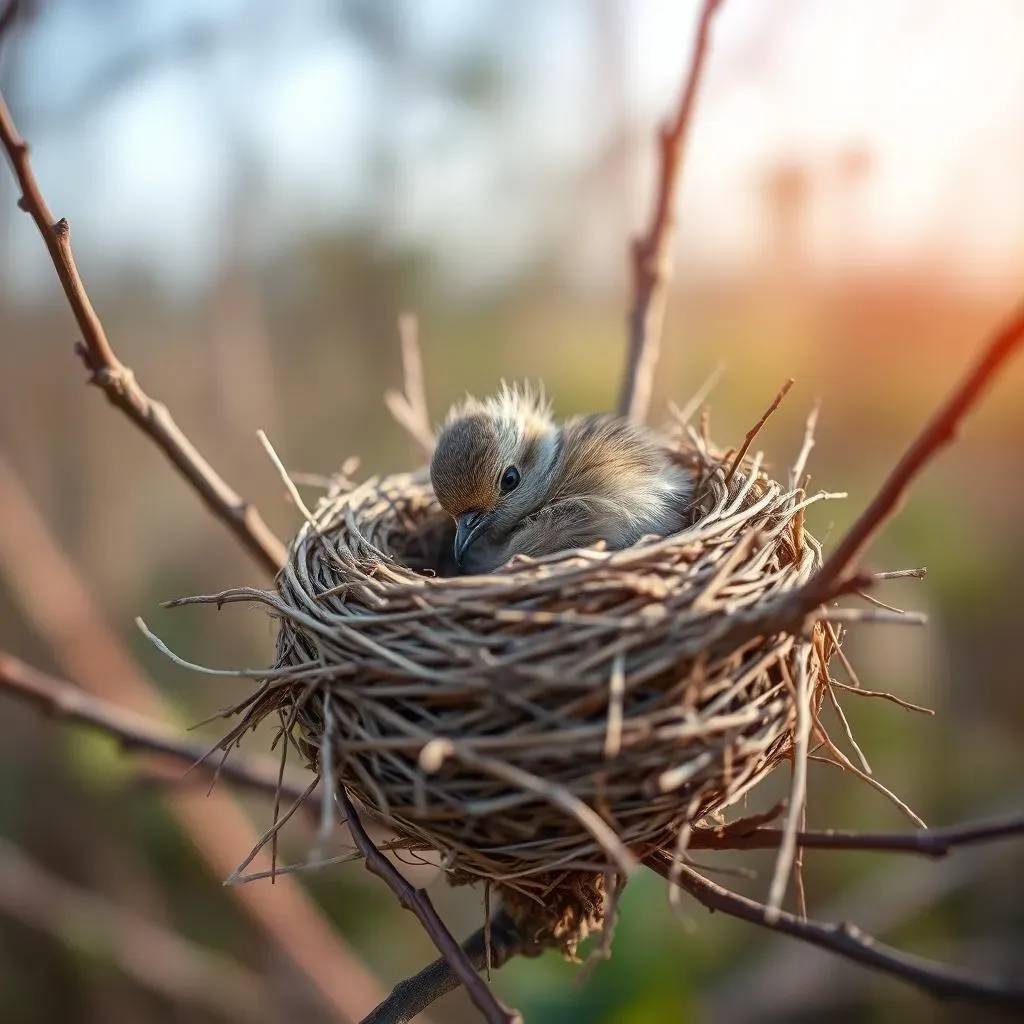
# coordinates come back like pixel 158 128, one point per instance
pixel 596 478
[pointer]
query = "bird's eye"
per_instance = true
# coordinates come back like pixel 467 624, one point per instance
pixel 509 480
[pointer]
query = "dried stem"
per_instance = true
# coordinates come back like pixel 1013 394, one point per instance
pixel 117 380
pixel 846 940
pixel 417 902
pixel 757 427
pixel 652 253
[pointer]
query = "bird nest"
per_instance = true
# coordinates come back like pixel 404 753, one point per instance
pixel 546 727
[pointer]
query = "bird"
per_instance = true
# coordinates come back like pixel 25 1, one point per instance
pixel 517 483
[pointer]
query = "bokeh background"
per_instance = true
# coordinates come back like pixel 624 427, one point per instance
pixel 256 191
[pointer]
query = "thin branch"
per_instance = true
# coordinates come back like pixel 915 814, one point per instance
pixel 417 902
pixel 838 574
pixel 932 842
pixel 118 382
pixel 62 700
pixel 846 940
pixel 415 994
pixel 757 427
pixel 652 253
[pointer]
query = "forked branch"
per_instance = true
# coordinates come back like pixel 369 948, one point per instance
pixel 651 256
pixel 118 382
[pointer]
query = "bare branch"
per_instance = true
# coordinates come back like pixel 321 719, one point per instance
pixel 932 842
pixel 838 574
pixel 652 253
pixel 846 940
pixel 415 994
pixel 61 699
pixel 417 902
pixel 118 382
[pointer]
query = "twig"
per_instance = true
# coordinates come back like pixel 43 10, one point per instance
pixel 118 382
pixel 845 939
pixel 652 253
pixel 158 959
pixel 415 994
pixel 932 842
pixel 61 699
pixel 797 793
pixel 417 902
pixel 757 427
pixel 838 574
pixel 409 407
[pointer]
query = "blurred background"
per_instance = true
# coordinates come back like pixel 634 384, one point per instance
pixel 256 191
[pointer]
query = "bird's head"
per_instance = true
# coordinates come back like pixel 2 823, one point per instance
pixel 493 464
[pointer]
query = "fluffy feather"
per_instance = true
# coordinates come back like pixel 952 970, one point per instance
pixel 594 478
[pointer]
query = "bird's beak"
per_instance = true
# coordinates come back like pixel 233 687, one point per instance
pixel 468 527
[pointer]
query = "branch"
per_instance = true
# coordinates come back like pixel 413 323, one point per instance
pixel 415 994
pixel 846 940
pixel 838 574
pixel 652 253
pixel 934 842
pixel 153 957
pixel 118 382
pixel 61 699
pixel 417 902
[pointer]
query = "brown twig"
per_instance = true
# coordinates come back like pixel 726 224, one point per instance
pixel 757 427
pixel 846 940
pixel 652 253
pixel 60 699
pixel 417 902
pixel 839 575
pixel 415 994
pixel 933 842
pixel 118 382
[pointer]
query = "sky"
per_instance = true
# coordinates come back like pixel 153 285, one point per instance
pixel 931 89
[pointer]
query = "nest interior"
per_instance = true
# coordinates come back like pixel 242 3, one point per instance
pixel 547 726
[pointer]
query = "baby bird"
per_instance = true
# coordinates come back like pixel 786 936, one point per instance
pixel 515 482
